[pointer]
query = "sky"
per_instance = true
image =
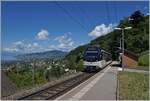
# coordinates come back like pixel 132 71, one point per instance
pixel 42 26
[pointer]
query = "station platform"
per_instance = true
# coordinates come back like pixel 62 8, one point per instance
pixel 101 86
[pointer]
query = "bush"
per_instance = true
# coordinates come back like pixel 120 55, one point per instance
pixel 144 59
pixel 21 79
pixel 80 65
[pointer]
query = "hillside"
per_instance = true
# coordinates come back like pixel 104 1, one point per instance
pixel 136 39
pixel 54 54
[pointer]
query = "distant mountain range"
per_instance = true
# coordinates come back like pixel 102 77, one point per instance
pixel 54 54
pixel 9 55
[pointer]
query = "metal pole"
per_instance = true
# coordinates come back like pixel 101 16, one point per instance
pixel 33 76
pixel 122 48
pixel 120 44
pixel 17 68
pixel 33 73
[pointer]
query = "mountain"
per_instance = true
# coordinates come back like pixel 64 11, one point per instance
pixel 136 39
pixel 54 54
pixel 9 56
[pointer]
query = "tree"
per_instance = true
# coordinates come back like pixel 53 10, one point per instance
pixel 79 57
pixel 71 62
pixel 80 65
pixel 136 17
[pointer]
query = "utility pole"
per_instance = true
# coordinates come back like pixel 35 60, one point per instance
pixel 122 48
pixel 120 44
pixel 33 72
pixel 17 68
pixel 122 30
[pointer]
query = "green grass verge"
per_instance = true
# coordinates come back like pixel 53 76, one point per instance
pixel 144 59
pixel 133 86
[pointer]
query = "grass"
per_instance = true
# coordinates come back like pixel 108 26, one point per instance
pixel 133 86
pixel 144 59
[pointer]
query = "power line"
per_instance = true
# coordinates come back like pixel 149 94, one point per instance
pixel 66 12
pixel 107 10
pixel 116 12
pixel 86 15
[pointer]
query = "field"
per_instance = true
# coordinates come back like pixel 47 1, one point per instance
pixel 133 86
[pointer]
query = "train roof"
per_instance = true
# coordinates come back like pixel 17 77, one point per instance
pixel 105 51
pixel 97 46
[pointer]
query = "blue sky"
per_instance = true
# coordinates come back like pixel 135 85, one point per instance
pixel 41 26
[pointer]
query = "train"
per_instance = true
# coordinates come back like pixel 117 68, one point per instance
pixel 95 58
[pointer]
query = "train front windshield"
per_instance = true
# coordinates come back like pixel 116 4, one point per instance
pixel 92 54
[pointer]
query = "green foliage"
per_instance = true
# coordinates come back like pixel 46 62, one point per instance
pixel 56 71
pixel 24 78
pixel 144 59
pixel 39 76
pixel 71 62
pixel 33 73
pixel 21 80
pixel 80 65
pixel 136 17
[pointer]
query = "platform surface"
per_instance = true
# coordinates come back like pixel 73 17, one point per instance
pixel 101 86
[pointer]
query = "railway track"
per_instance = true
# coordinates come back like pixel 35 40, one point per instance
pixel 58 89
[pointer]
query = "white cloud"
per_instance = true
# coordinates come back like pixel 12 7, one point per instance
pixel 52 47
pixel 10 50
pixel 60 39
pixel 147 13
pixel 65 42
pixel 18 43
pixel 71 43
pixel 15 47
pixel 29 45
pixel 101 30
pixel 145 7
pixel 34 47
pixel 82 44
pixel 42 35
pixel 19 46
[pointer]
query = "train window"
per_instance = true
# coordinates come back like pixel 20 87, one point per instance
pixel 91 51
pixel 91 54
